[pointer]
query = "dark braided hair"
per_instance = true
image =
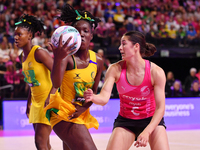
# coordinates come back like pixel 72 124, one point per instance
pixel 69 16
pixel 31 23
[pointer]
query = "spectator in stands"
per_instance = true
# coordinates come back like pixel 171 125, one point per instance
pixel 138 19
pixel 106 65
pixel 163 35
pixel 169 83
pixel 172 35
pixel 197 28
pixel 100 15
pixel 152 36
pixel 105 60
pixel 189 79
pixel 100 34
pixel 2 27
pixel 190 12
pixel 109 12
pixel 119 17
pixel 48 28
pixel 5 47
pixel 129 16
pixel 2 71
pixel 197 13
pixel 195 89
pixel 15 60
pixel 2 79
pixel 144 27
pixel 176 89
pixel 112 34
pixel 147 16
pixel 122 30
pixel 109 23
pixel 191 36
pixel 129 25
pixel 12 77
pixel 92 6
pixel 181 37
pixel 11 27
pixel 180 23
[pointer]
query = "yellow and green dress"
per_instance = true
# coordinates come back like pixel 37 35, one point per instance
pixel 74 83
pixel 38 78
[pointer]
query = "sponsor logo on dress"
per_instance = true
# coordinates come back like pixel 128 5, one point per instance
pixel 124 88
pixel 134 98
pixel 145 91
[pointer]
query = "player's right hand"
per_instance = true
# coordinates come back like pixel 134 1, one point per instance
pixel 63 49
pixel 27 111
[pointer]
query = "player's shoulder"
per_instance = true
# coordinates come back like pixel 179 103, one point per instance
pixel 41 51
pixel 157 71
pixel 117 66
pixel 41 54
pixel 99 57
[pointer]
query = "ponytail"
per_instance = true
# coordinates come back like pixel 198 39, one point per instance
pixel 150 50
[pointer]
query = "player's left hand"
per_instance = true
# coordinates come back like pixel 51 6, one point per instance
pixel 142 139
pixel 78 111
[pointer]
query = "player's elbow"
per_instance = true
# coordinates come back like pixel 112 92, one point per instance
pixel 56 82
pixel 56 85
pixel 104 102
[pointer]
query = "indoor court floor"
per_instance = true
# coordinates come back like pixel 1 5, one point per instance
pixel 178 140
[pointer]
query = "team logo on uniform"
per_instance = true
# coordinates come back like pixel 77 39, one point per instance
pixel 92 74
pixel 30 64
pixel 145 91
pixel 77 76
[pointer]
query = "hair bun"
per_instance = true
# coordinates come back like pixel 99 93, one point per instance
pixel 150 49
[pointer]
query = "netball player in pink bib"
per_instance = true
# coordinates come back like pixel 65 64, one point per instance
pixel 141 87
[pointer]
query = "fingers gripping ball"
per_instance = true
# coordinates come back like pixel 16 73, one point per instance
pixel 66 31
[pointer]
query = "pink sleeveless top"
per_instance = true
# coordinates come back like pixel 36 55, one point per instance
pixel 136 102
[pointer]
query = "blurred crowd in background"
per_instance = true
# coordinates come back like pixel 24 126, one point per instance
pixel 167 23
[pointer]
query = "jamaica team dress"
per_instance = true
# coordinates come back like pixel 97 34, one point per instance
pixel 38 77
pixel 74 83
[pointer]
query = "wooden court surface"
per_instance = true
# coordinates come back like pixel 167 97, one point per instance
pixel 178 140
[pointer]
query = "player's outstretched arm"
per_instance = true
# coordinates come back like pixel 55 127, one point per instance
pixel 104 96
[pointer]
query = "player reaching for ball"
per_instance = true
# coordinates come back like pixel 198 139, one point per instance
pixel 141 87
pixel 36 66
pixel 68 112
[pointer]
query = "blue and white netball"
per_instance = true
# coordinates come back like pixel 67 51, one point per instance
pixel 66 31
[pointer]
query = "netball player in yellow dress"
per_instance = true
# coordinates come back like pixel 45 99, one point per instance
pixel 36 67
pixel 68 113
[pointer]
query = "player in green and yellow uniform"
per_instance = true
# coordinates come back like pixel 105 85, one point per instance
pixel 37 75
pixel 68 113
pixel 36 67
pixel 76 81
